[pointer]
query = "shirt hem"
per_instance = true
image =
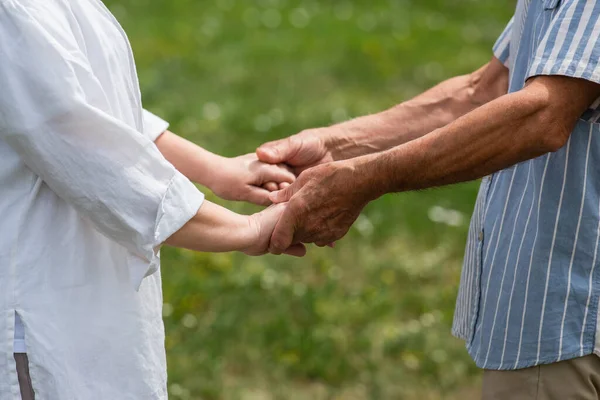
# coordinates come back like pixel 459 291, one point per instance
pixel 531 362
pixel 527 362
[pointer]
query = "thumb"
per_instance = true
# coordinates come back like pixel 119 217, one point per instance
pixel 282 196
pixel 276 152
pixel 296 250
pixel 258 196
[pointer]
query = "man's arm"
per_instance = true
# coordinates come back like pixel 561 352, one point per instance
pixel 513 128
pixel 517 127
pixel 417 117
pixel 400 124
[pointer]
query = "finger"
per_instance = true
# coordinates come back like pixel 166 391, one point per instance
pixel 271 186
pixel 283 185
pixel 289 168
pixel 276 152
pixel 283 234
pixel 276 173
pixel 296 250
pixel 259 196
pixel 325 243
pixel 282 196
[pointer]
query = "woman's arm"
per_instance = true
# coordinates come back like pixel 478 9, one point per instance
pixel 241 178
pixel 216 229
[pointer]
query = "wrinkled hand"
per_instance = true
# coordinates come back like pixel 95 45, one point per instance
pixel 245 178
pixel 322 205
pixel 260 229
pixel 301 151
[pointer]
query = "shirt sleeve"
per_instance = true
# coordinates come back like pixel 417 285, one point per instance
pixel 109 172
pixel 154 126
pixel 502 46
pixel 570 46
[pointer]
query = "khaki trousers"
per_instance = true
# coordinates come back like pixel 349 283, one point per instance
pixel 23 374
pixel 576 379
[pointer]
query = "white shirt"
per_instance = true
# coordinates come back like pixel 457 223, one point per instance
pixel 86 200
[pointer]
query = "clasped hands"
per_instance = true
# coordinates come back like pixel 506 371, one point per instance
pixel 319 206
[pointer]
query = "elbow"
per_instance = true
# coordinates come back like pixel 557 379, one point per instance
pixel 552 131
pixel 550 128
pixel 553 140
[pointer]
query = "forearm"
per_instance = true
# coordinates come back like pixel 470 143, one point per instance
pixel 196 163
pixel 421 115
pixel 214 229
pixel 509 130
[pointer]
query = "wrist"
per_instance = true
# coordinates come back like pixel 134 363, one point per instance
pixel 246 232
pixel 215 171
pixel 214 229
pixel 337 140
pixel 371 179
pixel 360 136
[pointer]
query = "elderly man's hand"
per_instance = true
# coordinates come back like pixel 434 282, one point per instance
pixel 258 229
pixel 301 151
pixel 322 205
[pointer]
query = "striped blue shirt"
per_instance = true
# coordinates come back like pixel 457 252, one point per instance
pixel 530 283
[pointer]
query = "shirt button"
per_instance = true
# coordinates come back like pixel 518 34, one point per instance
pixel 480 236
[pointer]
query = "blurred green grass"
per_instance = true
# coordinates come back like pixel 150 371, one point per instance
pixel 370 319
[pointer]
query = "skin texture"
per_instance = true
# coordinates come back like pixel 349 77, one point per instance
pixel 400 124
pixel 216 229
pixel 464 129
pixel 242 178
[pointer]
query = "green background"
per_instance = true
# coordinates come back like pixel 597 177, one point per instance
pixel 371 318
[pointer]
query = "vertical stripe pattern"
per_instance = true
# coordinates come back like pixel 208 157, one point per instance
pixel 529 288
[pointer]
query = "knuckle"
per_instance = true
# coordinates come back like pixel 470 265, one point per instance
pixel 293 141
pixel 302 176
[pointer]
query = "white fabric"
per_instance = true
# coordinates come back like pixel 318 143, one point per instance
pixel 154 126
pixel 86 200
pixel 19 343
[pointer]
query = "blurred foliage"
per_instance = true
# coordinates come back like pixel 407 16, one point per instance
pixel 370 319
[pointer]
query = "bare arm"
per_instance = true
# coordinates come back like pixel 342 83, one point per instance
pixel 326 199
pixel 240 178
pixel 415 118
pixel 514 128
pixel 191 160
pixel 216 229
pixel 400 124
